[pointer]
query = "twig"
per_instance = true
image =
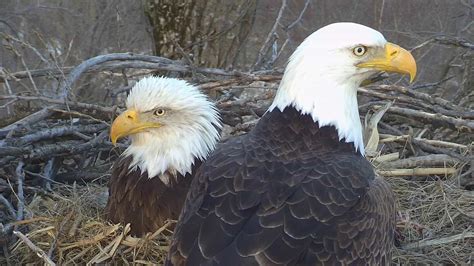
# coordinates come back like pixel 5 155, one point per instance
pixel 39 252
pixel 59 231
pixel 10 38
pixel 36 73
pixel 381 14
pixel 21 196
pixel 384 138
pixel 446 197
pixel 83 175
pixel 431 85
pixel 53 133
pixel 175 66
pixel 8 205
pixel 7 159
pixel 172 66
pixel 386 158
pixel 300 16
pixel 418 172
pixel 451 121
pixel 439 241
pixel 49 173
pixel 29 120
pixel 271 36
pixel 453 41
pixel 72 147
pixel 42 176
pixel 417 102
pixel 386 96
pixel 442 143
pixel 116 92
pixel 426 160
pixel 134 61
pixel 29 75
pixel 7 104
pixel 56 149
pixel 72 104
pixel 275 58
pixel 423 96
pixel 430 148
pixel 185 56
pixel 87 64
pixel 6 253
pixel 79 114
pixel 93 240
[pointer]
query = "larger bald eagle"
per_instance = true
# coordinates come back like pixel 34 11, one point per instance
pixel 297 189
pixel 173 127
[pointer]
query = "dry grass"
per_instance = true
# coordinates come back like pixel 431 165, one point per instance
pixel 435 222
pixel 68 225
pixel 435 225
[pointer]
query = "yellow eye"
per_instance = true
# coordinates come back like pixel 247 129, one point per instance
pixel 159 112
pixel 360 50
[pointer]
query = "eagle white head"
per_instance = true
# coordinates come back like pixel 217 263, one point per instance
pixel 171 125
pixel 323 74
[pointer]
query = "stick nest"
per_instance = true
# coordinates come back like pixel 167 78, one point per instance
pixel 55 159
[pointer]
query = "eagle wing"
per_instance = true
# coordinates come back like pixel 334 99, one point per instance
pixel 245 208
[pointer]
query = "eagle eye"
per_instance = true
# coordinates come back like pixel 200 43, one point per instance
pixel 159 112
pixel 359 50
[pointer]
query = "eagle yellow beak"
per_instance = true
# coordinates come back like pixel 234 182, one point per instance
pixel 128 123
pixel 394 59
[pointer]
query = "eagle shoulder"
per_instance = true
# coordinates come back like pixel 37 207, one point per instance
pixel 245 206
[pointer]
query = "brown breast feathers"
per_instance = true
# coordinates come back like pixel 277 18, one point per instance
pixel 143 202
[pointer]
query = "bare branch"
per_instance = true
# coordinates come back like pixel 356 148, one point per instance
pixel 147 61
pixel 8 206
pixel 294 23
pixel 458 123
pixel 29 120
pixel 272 35
pixel 20 174
pixel 447 40
pixel 418 172
pixel 87 64
pixel 38 251
pixel 71 104
pixel 439 241
pixel 423 96
pixel 52 133
pixel 421 161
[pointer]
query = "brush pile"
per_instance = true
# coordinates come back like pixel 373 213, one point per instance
pixel 55 157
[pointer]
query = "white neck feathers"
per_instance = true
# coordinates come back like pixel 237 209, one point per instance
pixel 326 93
pixel 174 151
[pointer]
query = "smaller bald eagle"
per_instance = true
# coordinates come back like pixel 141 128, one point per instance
pixel 173 127
pixel 297 190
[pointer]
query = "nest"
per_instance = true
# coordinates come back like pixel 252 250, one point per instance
pixel 434 226
pixel 55 162
pixel 67 226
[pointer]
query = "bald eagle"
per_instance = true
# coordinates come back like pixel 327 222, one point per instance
pixel 297 189
pixel 172 127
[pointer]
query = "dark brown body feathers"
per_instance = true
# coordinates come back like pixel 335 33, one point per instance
pixel 287 193
pixel 143 202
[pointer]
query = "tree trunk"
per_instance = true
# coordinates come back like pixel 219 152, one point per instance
pixel 208 33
